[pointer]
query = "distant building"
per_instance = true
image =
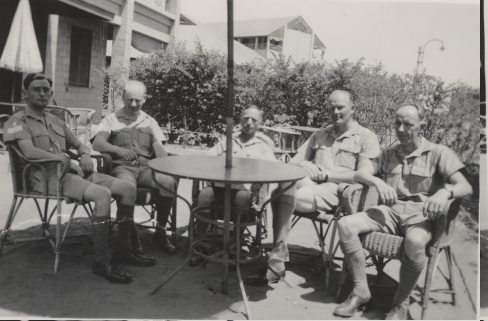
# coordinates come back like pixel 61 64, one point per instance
pixel 191 32
pixel 290 36
pixel 73 34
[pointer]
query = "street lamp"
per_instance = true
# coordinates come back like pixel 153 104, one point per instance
pixel 420 57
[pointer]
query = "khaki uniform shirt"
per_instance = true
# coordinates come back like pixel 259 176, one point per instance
pixel 340 154
pixel 139 135
pixel 424 171
pixel 255 148
pixel 47 132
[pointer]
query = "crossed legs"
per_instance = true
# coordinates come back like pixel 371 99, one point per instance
pixel 416 238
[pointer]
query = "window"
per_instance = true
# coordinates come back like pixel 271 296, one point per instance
pixel 79 65
pixel 248 42
pixel 262 42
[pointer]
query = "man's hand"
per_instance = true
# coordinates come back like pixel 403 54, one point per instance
pixel 436 204
pixel 313 171
pixel 387 194
pixel 77 169
pixel 86 163
pixel 127 154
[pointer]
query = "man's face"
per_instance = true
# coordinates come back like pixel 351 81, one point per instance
pixel 407 125
pixel 38 93
pixel 340 108
pixel 134 99
pixel 250 121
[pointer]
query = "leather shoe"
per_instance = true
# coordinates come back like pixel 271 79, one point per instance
pixel 264 277
pixel 133 258
pixel 111 272
pixel 160 239
pixel 351 305
pixel 398 312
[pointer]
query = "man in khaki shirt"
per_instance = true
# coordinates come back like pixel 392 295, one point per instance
pixel 332 156
pixel 418 179
pixel 133 138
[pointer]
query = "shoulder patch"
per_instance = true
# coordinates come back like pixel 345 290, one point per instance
pixel 14 129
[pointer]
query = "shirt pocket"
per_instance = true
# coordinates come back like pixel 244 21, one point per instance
pixel 347 155
pixel 40 139
pixel 322 155
pixel 122 138
pixel 59 137
pixel 145 138
pixel 392 173
pixel 421 179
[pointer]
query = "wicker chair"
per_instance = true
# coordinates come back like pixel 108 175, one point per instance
pixel 20 168
pixel 382 246
pixel 146 197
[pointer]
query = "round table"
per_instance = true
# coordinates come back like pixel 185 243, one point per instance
pixel 212 169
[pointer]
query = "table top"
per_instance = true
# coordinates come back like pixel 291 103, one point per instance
pixel 305 129
pixel 281 130
pixel 212 169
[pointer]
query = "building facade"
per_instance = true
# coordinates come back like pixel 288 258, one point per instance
pixel 73 36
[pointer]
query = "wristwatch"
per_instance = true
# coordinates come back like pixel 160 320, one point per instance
pixel 450 190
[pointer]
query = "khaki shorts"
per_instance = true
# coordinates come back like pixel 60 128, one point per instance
pixel 140 176
pixel 325 195
pixel 74 186
pixel 398 219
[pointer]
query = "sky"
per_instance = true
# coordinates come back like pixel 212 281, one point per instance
pixel 386 32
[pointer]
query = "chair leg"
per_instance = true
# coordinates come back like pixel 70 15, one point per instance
pixel 57 248
pixel 431 265
pixel 450 261
pixel 69 222
pixel 342 280
pixel 10 219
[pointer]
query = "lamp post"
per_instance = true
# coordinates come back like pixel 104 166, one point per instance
pixel 420 57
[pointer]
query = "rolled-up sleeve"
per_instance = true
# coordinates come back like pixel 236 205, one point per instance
pixel 370 148
pixel 15 129
pixel 157 132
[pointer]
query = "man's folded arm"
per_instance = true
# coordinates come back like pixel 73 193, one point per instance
pixel 33 153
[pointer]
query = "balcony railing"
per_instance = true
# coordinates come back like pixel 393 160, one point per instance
pixel 262 46
pixel 159 3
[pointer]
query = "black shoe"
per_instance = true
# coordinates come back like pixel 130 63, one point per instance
pixel 111 272
pixel 264 277
pixel 196 260
pixel 160 239
pixel 398 312
pixel 351 305
pixel 133 258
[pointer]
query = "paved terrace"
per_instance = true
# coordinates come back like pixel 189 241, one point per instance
pixel 31 289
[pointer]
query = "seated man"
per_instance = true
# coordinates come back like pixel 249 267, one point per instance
pixel 419 178
pixel 133 137
pixel 246 144
pixel 41 135
pixel 332 156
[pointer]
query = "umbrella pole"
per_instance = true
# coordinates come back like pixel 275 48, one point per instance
pixel 230 81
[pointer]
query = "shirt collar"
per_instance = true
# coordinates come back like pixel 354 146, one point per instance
pixel 349 133
pixel 30 113
pixel 424 147
pixel 254 140
pixel 122 114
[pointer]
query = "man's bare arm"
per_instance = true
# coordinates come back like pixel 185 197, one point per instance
pixel 33 153
pixel 159 149
pixel 102 145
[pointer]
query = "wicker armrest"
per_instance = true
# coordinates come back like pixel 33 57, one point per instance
pixel 358 198
pixel 107 165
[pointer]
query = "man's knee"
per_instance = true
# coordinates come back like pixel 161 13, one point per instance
pixel 351 225
pixel 101 195
pixel 128 191
pixel 166 181
pixel 415 243
pixel 206 197
pixel 243 199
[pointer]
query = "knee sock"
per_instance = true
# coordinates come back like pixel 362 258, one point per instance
pixel 354 256
pixel 163 207
pixel 100 227
pixel 125 217
pixel 283 209
pixel 409 275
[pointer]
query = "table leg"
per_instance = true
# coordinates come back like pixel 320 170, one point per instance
pixel 190 235
pixel 225 265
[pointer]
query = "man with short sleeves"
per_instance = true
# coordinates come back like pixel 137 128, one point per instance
pixel 43 136
pixel 132 138
pixel 418 180
pixel 332 156
pixel 247 143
